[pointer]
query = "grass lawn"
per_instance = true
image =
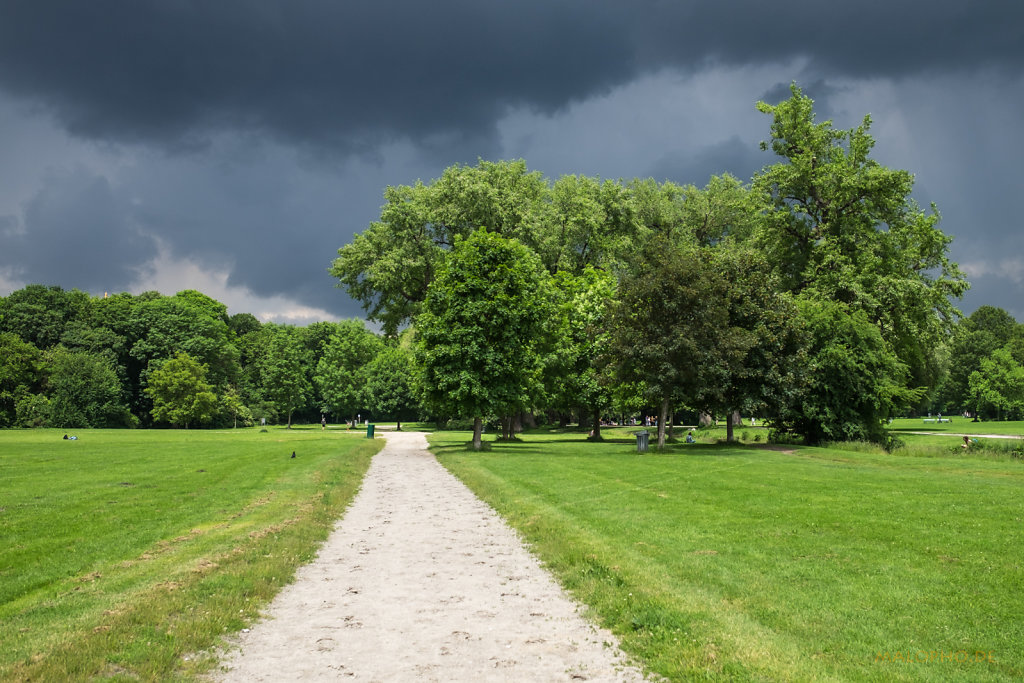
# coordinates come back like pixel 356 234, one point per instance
pixel 959 425
pixel 742 563
pixel 127 554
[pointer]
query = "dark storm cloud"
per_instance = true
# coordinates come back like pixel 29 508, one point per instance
pixel 79 233
pixel 293 115
pixel 733 156
pixel 349 76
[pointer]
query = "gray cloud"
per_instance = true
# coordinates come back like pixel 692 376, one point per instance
pixel 733 156
pixel 351 76
pixel 252 139
pixel 76 231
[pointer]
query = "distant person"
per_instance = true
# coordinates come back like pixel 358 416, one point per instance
pixel 323 423
pixel 689 437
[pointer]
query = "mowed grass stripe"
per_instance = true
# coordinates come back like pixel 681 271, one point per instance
pixel 744 563
pixel 124 553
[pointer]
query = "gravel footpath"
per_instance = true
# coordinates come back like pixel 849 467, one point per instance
pixel 421 581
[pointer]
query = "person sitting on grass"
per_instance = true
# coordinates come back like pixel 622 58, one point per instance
pixel 689 437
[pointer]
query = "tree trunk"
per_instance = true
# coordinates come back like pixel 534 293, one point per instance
pixel 530 420
pixel 478 428
pixel 517 425
pixel 704 420
pixel 661 423
pixel 399 427
pixel 595 434
pixel 734 419
pixel 671 422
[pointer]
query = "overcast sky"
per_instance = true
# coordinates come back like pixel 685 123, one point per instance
pixel 232 146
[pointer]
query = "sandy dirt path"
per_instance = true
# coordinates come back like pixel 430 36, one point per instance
pixel 421 581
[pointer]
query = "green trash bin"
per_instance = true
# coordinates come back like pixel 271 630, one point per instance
pixel 369 430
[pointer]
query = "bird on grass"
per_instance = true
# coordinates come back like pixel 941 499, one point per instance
pixel 293 454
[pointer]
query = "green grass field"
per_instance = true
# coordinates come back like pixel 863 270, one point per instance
pixel 743 563
pixel 959 425
pixel 126 554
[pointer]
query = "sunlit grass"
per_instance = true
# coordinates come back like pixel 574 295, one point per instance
pixel 743 563
pixel 958 425
pixel 128 554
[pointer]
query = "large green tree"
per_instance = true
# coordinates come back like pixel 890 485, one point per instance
pixel 83 390
pixel 389 266
pixel 852 381
pixel 975 338
pixel 342 372
pixel 579 372
pixel 763 342
pixel 390 384
pixel 843 229
pixel 998 384
pixel 180 393
pixel 671 331
pixel 485 330
pixel 283 364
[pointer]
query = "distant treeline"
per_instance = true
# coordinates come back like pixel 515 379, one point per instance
pixel 68 359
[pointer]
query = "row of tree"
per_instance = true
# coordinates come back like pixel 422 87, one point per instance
pixel 818 295
pixel 68 359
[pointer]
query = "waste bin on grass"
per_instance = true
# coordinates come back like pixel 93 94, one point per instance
pixel 369 430
pixel 642 441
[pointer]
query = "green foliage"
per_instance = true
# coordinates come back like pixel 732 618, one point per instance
pixel 32 410
pixel 38 313
pixel 343 371
pixel 976 338
pixel 83 391
pixel 282 367
pixel 162 326
pixel 389 267
pixel 181 395
pixel 843 229
pixel 999 382
pixel 20 374
pixel 485 329
pixel 586 223
pixel 231 404
pixel 579 372
pixel 853 382
pixel 390 391
pixel 678 329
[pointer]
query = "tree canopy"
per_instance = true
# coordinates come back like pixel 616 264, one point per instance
pixel 486 322
pixel 818 295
